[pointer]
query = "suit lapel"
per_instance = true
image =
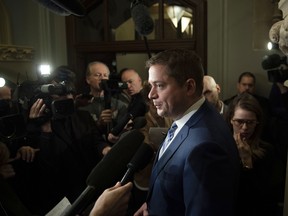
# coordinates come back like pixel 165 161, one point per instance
pixel 176 143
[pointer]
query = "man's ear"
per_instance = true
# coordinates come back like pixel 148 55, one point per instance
pixel 218 88
pixel 190 86
pixel 88 81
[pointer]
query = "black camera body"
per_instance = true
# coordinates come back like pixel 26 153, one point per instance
pixel 62 88
pixel 113 85
pixel 56 108
pixel 277 67
pixel 30 91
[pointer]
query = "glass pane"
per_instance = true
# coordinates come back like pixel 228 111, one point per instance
pixel 127 31
pixel 178 21
pixel 133 60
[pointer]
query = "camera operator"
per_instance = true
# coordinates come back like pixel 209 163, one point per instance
pixel 12 127
pixel 136 107
pixel 70 146
pixel 105 109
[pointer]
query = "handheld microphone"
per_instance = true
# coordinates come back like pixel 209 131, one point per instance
pixel 120 126
pixel 141 159
pixel 108 171
pixel 144 24
pixel 139 122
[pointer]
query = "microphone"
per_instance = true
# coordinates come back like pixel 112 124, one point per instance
pixel 120 126
pixel 144 24
pixel 108 171
pixel 139 122
pixel 136 108
pixel 139 161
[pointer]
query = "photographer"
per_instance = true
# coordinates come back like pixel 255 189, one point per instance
pixel 70 146
pixel 105 109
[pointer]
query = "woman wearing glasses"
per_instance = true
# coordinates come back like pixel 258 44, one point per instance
pixel 261 179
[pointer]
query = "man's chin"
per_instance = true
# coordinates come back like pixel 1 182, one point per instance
pixel 161 113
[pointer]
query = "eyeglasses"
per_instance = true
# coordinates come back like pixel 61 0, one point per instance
pixel 241 122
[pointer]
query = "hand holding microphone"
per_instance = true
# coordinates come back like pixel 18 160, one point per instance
pixel 117 196
pixel 108 171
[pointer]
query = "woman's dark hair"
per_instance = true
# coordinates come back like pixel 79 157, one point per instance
pixel 248 102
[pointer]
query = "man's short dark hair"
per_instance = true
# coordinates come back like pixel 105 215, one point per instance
pixel 246 74
pixel 181 64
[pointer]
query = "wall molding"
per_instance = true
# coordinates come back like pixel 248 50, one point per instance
pixel 16 53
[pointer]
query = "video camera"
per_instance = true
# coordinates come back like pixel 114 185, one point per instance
pixel 277 67
pixel 113 85
pixel 30 91
pixel 110 87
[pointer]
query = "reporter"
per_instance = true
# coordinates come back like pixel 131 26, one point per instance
pixel 261 174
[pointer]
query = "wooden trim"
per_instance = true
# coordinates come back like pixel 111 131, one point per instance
pixel 16 53
pixel 133 46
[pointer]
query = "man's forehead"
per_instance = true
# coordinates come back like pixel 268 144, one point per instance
pixel 247 79
pixel 98 68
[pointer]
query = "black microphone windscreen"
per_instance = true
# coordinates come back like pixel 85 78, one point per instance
pixel 121 124
pixel 139 161
pixel 53 7
pixel 144 24
pixel 139 122
pixel 112 167
pixel 142 157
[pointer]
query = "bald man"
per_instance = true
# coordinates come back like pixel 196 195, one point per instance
pixel 211 91
pixel 105 117
pixel 133 80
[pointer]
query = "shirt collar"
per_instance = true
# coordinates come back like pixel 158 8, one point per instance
pixel 189 112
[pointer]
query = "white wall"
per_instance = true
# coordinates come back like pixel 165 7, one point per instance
pixel 232 25
pixel 34 26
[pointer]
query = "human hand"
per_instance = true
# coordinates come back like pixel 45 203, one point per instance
pixel 244 150
pixel 113 201
pixel 106 150
pixel 105 117
pixel 6 171
pixel 26 153
pixel 283 89
pixel 142 211
pixel 129 125
pixel 112 138
pixel 37 109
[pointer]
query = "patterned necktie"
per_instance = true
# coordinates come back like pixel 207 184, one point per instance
pixel 168 138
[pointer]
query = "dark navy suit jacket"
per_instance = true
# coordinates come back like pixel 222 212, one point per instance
pixel 198 173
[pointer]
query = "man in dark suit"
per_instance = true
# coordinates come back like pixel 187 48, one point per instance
pixel 197 173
